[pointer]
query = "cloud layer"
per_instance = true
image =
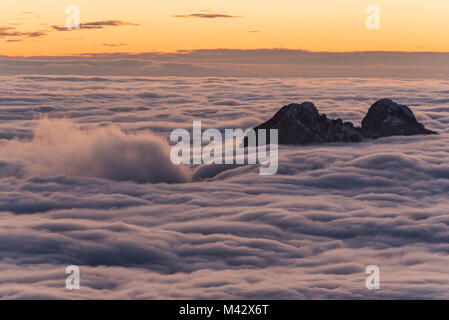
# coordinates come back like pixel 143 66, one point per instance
pixel 238 63
pixel 307 232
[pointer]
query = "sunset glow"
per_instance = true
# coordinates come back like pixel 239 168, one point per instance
pixel 31 28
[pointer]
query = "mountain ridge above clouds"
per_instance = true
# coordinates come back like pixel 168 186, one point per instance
pixel 303 124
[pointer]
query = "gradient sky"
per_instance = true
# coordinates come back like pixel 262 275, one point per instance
pixel 27 26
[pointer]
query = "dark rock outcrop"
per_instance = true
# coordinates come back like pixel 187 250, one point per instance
pixel 386 118
pixel 303 124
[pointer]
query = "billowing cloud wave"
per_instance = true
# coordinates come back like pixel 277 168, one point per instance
pixel 307 232
pixel 59 147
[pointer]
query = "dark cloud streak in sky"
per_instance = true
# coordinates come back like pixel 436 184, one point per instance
pixel 205 15
pixel 12 32
pixel 97 25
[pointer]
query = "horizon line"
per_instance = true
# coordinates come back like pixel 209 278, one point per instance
pixel 188 51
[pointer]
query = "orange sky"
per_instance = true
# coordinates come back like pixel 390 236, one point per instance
pixel 315 25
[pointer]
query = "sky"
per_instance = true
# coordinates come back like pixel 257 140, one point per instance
pixel 37 27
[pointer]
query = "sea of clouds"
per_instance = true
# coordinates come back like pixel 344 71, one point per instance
pixel 86 180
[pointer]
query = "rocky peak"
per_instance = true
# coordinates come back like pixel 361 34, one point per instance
pixel 303 124
pixel 387 118
pixel 305 112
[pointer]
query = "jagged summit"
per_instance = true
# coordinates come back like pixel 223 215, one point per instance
pixel 387 118
pixel 303 124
